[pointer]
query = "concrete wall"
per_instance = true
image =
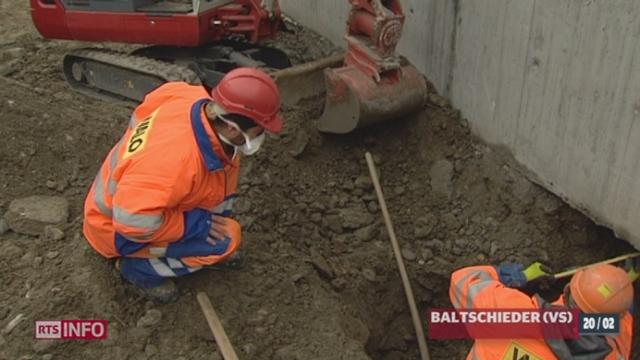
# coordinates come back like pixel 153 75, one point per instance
pixel 557 82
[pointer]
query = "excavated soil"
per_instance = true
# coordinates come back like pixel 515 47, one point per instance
pixel 321 281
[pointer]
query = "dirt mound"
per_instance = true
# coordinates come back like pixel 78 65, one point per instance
pixel 321 281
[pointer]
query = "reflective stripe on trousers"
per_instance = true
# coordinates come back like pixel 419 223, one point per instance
pixel 170 267
pixel 152 272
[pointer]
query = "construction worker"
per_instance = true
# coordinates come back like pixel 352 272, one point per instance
pixel 161 202
pixel 598 289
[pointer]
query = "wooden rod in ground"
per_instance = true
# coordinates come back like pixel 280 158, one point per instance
pixel 571 272
pixel 417 323
pixel 228 353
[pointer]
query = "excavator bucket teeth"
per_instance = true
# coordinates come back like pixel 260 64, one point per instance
pixel 355 100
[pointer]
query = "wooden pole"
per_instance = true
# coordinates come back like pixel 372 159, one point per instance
pixel 417 323
pixel 228 353
pixel 568 273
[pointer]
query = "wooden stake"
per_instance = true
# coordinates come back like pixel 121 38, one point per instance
pixel 568 273
pixel 228 353
pixel 417 323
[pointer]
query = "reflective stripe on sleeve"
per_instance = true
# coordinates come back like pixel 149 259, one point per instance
pixel 458 289
pixel 112 187
pixel 112 165
pixel 485 280
pixel 99 196
pixel 147 222
pixel 472 289
pixel 132 122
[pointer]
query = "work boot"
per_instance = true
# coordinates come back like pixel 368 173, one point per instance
pixel 165 293
pixel 236 261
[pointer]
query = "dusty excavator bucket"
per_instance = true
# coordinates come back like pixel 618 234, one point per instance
pixel 356 100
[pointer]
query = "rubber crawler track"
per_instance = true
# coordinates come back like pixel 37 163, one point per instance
pixel 139 64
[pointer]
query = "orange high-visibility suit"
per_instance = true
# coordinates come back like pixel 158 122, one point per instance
pixel 159 185
pixel 479 287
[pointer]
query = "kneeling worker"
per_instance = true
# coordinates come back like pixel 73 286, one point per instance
pixel 161 202
pixel 598 289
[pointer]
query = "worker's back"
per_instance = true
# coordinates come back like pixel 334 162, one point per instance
pixel 479 287
pixel 157 165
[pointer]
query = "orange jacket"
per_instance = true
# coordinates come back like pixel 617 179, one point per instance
pixel 160 182
pixel 479 287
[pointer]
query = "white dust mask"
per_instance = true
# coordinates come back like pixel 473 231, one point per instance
pixel 228 142
pixel 250 146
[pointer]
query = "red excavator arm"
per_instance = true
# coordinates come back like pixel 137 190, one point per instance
pixel 375 84
pixel 176 22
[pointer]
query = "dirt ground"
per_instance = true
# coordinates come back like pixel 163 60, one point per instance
pixel 321 282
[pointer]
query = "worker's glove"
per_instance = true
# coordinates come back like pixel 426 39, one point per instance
pixel 515 276
pixel 219 247
pixel 511 275
pixel 536 271
pixel 633 268
pixel 221 228
pixel 222 232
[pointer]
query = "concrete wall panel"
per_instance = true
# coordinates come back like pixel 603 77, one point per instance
pixel 556 82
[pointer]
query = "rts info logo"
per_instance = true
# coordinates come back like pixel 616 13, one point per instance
pixel 71 329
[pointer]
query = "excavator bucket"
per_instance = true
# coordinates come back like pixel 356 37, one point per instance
pixel 356 100
pixel 374 84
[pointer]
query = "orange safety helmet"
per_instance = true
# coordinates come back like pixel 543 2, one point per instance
pixel 602 289
pixel 252 93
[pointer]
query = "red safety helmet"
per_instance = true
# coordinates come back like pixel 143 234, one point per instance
pixel 602 289
pixel 252 93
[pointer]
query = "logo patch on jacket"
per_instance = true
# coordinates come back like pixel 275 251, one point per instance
pixel 138 139
pixel 517 352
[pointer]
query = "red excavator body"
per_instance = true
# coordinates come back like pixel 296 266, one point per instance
pixel 198 41
pixel 176 23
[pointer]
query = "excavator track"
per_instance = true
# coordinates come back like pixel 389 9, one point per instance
pixel 120 77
